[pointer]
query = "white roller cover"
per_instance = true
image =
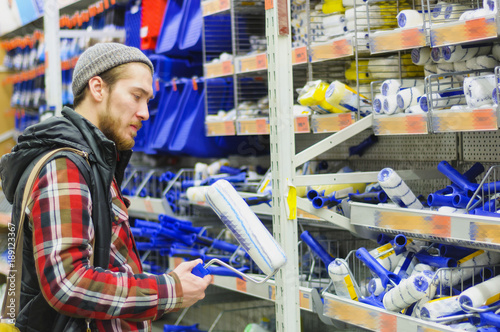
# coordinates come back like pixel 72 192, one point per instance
pixel 245 226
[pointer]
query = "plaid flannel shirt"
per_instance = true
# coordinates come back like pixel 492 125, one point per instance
pixel 121 298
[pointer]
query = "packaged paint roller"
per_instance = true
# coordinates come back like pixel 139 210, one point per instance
pixel 445 68
pixel 333 20
pixel 397 190
pixel 421 56
pixel 341 190
pixel 341 96
pixel 477 258
pixel 391 105
pixel 420 267
pixel 387 277
pixel 481 62
pixel 437 55
pixel 247 228
pixel 454 53
pixel 477 90
pixel 313 96
pixel 484 293
pixel 342 279
pixel 490 5
pixel 333 7
pixel 408 291
pixel 443 100
pixel 460 66
pixel 440 307
pixel 438 12
pixel 430 69
pixel 316 247
pixel 408 97
pixel 453 11
pixel 392 86
pixel 415 109
pixel 410 18
pixel 378 103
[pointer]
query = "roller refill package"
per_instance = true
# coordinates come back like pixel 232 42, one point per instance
pixel 246 227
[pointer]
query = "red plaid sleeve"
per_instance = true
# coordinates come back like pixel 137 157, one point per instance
pixel 60 216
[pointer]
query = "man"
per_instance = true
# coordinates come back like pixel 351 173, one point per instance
pixel 77 214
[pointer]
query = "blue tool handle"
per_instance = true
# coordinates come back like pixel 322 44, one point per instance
pixel 186 228
pixel 316 247
pixel 384 275
pixel 480 212
pixel 257 200
pixel 439 200
pixel 142 246
pixel 473 172
pixel 231 179
pixel 457 178
pixel 320 201
pixel 171 219
pixel 230 170
pixel 179 328
pixel 225 246
pixel 136 231
pixel 383 238
pixel 374 197
pixel 311 194
pixel 147 224
pixel 372 300
pixel 436 261
pixel 399 244
pixel 200 270
pixel 489 318
pixel 187 253
pixel 454 251
pixel 488 329
pixel 223 271
pixel 461 201
pixel 187 239
pixel 363 146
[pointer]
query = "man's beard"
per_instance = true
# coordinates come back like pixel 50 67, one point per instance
pixel 110 128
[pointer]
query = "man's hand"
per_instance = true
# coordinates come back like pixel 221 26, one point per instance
pixel 193 287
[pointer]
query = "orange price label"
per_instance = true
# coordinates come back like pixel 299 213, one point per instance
pixel 341 47
pixel 241 285
pixel 416 124
pixel 261 60
pixel 269 4
pixel 477 28
pixel 302 124
pixel 224 4
pixel 411 38
pixel 272 291
pixel 305 300
pixel 261 126
pixel 229 128
pixel 227 67
pixel 299 55
pixel 485 119
pixel 148 206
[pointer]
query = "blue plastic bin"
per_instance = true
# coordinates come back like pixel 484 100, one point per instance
pixel 191 27
pixel 167 42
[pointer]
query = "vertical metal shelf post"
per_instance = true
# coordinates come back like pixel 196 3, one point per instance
pixel 282 142
pixel 53 79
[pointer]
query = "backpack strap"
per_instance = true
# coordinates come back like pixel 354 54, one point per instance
pixel 15 271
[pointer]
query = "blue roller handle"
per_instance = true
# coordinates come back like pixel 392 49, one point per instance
pixel 399 244
pixel 187 239
pixel 147 224
pixel 489 318
pixel 480 212
pixel 384 275
pixel 316 247
pixel 457 178
pixel 186 228
pixel 258 200
pixel 461 201
pixel 439 200
pixel 187 253
pixel 373 197
pixel 436 261
pixel 488 329
pixel 383 238
pixel 179 328
pixel 136 231
pixel 169 219
pixel 372 300
pixel 143 246
pixel 330 201
pixel 363 146
pixel 311 194
pixel 200 270
pixel 230 170
pixel 454 251
pixel 472 173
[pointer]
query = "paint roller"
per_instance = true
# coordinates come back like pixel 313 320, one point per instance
pixel 385 275
pixel 397 190
pixel 408 291
pixel 248 230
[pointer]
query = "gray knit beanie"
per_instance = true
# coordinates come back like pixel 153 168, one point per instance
pixel 101 57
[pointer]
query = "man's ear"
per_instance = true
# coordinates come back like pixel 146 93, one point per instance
pixel 96 88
